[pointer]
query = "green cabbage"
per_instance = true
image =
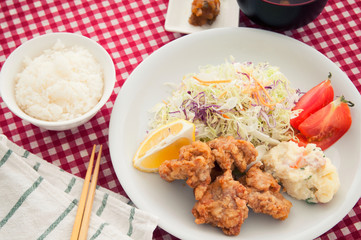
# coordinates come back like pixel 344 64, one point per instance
pixel 249 101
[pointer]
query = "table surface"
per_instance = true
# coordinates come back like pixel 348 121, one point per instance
pixel 130 31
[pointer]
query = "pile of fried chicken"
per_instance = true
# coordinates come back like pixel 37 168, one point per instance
pixel 222 200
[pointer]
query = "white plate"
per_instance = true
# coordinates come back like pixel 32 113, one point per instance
pixel 180 10
pixel 172 202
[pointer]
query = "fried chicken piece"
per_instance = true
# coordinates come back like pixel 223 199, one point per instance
pixel 264 193
pixel 223 205
pixel 230 152
pixel 204 11
pixel 194 165
pixel 216 172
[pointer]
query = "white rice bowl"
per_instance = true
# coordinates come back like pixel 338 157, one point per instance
pixel 61 84
pixel 66 110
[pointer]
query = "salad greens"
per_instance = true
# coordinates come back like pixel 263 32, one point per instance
pixel 249 101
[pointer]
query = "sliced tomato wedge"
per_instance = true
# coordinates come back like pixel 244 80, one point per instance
pixel 313 100
pixel 327 125
pixel 300 140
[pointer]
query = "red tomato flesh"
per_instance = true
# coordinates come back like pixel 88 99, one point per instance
pixel 327 125
pixel 300 140
pixel 315 99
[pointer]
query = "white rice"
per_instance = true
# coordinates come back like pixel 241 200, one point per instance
pixel 62 83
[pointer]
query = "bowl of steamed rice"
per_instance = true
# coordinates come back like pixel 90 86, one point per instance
pixel 57 81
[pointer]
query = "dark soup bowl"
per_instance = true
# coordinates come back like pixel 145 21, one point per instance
pixel 282 14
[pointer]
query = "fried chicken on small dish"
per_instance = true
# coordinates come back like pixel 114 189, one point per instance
pixel 264 193
pixel 223 205
pixel 194 165
pixel 230 152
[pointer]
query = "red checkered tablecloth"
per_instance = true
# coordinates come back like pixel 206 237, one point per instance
pixel 130 30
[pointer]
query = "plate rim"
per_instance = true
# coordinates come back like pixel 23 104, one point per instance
pixel 329 223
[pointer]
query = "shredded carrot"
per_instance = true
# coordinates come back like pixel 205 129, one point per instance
pixel 204 84
pixel 255 90
pixel 224 93
pixel 262 87
pixel 225 116
pixel 213 81
pixel 263 101
pixel 299 161
pixel 166 103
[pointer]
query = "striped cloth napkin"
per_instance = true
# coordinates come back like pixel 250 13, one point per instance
pixel 39 201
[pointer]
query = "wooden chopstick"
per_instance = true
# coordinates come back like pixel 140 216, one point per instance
pixel 82 219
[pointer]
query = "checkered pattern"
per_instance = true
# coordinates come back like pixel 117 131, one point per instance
pixel 131 30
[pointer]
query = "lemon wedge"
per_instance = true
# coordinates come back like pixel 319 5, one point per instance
pixel 163 144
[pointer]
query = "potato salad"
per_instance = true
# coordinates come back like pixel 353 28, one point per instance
pixel 304 172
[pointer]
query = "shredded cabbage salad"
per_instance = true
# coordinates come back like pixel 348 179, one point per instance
pixel 249 101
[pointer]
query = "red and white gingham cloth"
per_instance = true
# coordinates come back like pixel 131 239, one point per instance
pixel 130 30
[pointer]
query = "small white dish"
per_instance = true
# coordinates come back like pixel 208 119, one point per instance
pixel 34 48
pixel 179 12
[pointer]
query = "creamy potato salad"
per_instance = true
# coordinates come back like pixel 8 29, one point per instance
pixel 305 172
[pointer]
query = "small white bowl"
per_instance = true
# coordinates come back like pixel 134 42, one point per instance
pixel 34 48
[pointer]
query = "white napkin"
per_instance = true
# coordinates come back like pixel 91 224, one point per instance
pixel 39 201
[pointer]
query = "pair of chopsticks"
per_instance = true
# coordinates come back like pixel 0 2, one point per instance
pixel 82 219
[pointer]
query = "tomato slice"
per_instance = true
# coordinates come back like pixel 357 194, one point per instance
pixel 328 124
pixel 313 100
pixel 300 140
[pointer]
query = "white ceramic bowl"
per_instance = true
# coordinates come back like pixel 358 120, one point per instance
pixel 34 48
